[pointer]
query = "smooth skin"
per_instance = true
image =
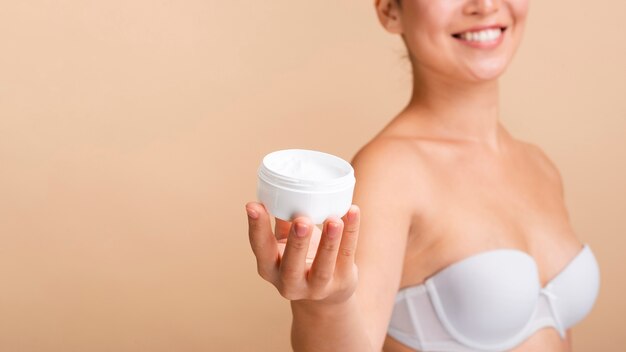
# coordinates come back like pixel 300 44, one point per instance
pixel 442 181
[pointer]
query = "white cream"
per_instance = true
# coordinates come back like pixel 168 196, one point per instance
pixel 305 167
pixel 296 182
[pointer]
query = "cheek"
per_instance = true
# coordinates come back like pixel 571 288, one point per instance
pixel 519 9
pixel 519 12
pixel 429 27
pixel 429 18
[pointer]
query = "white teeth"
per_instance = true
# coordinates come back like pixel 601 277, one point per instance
pixel 486 35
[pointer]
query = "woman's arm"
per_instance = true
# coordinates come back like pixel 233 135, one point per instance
pixel 335 306
pixel 384 196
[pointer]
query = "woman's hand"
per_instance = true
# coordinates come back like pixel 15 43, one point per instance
pixel 328 276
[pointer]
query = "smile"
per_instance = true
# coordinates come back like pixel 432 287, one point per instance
pixel 485 38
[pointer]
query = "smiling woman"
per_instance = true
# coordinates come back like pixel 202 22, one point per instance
pixel 132 132
pixel 496 26
pixel 464 240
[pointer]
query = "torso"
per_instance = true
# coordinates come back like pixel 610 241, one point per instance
pixel 478 200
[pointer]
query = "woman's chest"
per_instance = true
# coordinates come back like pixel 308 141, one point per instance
pixel 472 212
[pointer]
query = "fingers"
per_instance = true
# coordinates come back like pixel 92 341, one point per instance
pixel 334 256
pixel 262 241
pixel 281 229
pixel 323 267
pixel 293 263
pixel 347 247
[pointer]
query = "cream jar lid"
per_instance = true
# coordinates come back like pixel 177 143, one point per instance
pixel 306 170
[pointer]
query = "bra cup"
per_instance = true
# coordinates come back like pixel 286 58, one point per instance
pixel 493 301
pixel 489 299
pixel 582 277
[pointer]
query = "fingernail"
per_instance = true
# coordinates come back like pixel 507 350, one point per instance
pixel 253 214
pixel 352 214
pixel 333 230
pixel 301 229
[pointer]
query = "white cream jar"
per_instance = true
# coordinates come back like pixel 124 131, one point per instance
pixel 296 182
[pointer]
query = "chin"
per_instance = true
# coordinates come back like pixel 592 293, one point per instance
pixel 487 71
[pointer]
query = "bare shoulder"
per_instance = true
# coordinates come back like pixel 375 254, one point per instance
pixel 388 160
pixel 392 169
pixel 541 159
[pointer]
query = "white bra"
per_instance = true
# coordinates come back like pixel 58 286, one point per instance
pixel 492 301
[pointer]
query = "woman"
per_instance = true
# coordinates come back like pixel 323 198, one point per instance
pixel 464 242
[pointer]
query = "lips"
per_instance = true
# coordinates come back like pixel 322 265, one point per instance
pixel 480 33
pixel 482 37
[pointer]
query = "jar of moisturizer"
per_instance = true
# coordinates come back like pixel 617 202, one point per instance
pixel 296 182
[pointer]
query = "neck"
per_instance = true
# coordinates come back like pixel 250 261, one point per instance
pixel 457 110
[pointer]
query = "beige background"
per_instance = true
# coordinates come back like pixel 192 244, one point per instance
pixel 130 134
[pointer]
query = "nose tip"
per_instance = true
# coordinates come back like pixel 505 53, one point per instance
pixel 482 7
